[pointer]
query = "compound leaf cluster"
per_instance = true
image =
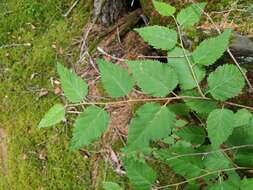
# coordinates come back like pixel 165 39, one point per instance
pixel 191 132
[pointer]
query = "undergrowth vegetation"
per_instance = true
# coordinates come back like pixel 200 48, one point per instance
pixel 187 133
pixel 34 35
pixel 187 121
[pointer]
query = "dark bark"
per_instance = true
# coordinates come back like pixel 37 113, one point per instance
pixel 108 11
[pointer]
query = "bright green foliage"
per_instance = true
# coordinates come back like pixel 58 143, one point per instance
pixel 186 166
pixel 224 185
pixel 164 9
pixel 220 125
pixel 190 15
pixel 89 126
pixel 179 109
pixel 243 118
pixel 116 80
pixel 111 186
pixel 199 106
pixel 178 61
pixel 159 37
pixel 153 77
pixel 55 115
pixel 225 82
pixel 192 134
pixel 74 87
pixel 151 122
pixel 140 174
pixel 216 161
pixel 246 184
pixel 189 131
pixel 210 50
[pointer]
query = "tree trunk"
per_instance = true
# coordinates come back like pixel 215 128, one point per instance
pixel 108 11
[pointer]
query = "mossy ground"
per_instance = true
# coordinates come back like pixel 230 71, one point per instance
pixel 38 159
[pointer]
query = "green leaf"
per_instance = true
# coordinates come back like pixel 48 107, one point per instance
pixel 141 176
pixel 225 82
pixel 190 15
pixel 178 61
pixel 241 135
pixel 153 77
pixel 246 184
pixel 89 126
pixel 232 183
pixel 199 106
pixel 181 123
pixel 74 87
pixel 116 80
pixel 243 118
pixel 210 50
pixel 159 37
pixel 55 115
pixel 186 166
pixel 244 158
pixel 192 134
pixel 179 109
pixel 216 161
pixel 111 186
pixel 164 9
pixel 220 125
pixel 151 122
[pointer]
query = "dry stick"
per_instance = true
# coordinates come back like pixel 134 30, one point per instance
pixel 71 8
pixel 201 176
pixel 108 55
pixel 189 62
pixel 156 100
pixel 15 45
pixel 228 50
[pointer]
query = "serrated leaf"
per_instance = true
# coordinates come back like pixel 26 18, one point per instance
pixel 89 126
pixel 192 134
pixel 111 186
pixel 199 106
pixel 225 82
pixel 116 80
pixel 220 125
pixel 178 61
pixel 186 166
pixel 210 50
pixel 159 37
pixel 74 87
pixel 190 15
pixel 141 176
pixel 164 9
pixel 153 77
pixel 151 122
pixel 55 115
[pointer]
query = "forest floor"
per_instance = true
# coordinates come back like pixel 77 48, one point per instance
pixel 34 36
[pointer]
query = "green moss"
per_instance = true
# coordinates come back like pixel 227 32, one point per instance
pixel 37 159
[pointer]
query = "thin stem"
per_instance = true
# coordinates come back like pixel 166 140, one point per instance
pixel 139 100
pixel 189 62
pixel 201 176
pixel 211 152
pixel 168 99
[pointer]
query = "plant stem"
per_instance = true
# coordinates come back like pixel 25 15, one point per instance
pixel 189 62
